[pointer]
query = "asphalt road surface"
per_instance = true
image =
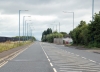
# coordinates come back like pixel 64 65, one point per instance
pixel 46 57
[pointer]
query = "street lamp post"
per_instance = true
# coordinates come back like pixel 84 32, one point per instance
pixel 56 27
pixel 52 28
pixel 92 9
pixel 31 30
pixel 56 30
pixel 59 27
pixel 19 23
pixel 23 26
pixel 73 17
pixel 25 29
pixel 31 33
pixel 28 30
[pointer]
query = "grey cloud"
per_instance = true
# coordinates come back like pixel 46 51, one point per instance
pixel 45 7
pixel 81 8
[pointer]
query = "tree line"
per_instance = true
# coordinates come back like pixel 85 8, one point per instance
pixel 25 38
pixel 87 34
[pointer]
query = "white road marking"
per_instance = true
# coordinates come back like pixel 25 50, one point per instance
pixel 92 61
pixel 77 55
pixel 51 64
pixel 15 54
pixel 1 59
pixel 49 60
pixel 68 52
pixel 84 58
pixel 54 70
pixel 3 63
pixel 72 53
pixel 64 63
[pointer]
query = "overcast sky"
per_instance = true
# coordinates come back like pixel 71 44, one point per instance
pixel 44 14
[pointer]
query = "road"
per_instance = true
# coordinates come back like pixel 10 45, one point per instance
pixel 46 57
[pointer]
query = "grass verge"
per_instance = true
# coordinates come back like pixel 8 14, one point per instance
pixel 9 45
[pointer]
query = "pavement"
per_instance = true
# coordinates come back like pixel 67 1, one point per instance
pixel 46 57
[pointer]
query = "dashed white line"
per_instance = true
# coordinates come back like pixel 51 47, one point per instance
pixel 77 55
pixel 54 70
pixel 72 53
pixel 51 64
pixel 44 52
pixel 46 55
pixel 68 52
pixel 49 60
pixel 92 61
pixel 83 57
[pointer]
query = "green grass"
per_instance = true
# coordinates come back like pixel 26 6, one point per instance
pixel 9 45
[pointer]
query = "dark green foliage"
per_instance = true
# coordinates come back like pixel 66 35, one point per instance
pixel 64 34
pixel 87 34
pixel 25 38
pixel 45 33
pixel 48 36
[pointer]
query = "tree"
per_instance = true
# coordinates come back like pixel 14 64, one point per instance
pixel 64 34
pixel 78 33
pixel 87 34
pixel 45 33
pixel 50 37
pixel 94 31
